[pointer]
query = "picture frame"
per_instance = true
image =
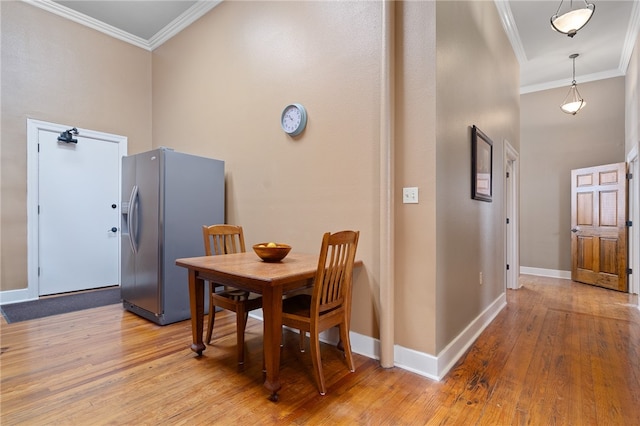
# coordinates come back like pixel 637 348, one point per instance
pixel 481 166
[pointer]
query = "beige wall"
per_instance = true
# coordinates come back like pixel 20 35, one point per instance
pixel 553 143
pixel 220 86
pixel 59 71
pixel 415 165
pixel 219 89
pixel 477 84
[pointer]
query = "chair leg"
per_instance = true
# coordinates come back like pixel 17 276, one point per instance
pixel 302 334
pixel 212 314
pixel 346 343
pixel 241 323
pixel 314 339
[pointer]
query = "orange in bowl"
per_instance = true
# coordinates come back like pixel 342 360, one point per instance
pixel 272 252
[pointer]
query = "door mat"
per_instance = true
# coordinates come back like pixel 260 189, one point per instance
pixel 41 308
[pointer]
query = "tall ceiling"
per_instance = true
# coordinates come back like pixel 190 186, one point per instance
pixel 605 44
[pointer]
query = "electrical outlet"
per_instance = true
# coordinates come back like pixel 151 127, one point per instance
pixel 410 195
pixel 480 278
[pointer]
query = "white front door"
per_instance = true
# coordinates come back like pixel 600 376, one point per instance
pixel 78 218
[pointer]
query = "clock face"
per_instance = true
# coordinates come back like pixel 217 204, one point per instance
pixel 294 119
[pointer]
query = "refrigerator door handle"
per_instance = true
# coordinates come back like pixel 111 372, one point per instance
pixel 132 222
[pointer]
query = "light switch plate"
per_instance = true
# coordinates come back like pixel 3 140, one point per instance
pixel 410 195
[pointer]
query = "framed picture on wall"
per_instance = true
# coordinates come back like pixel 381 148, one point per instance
pixel 481 166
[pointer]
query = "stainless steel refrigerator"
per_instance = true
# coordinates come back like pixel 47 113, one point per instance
pixel 167 197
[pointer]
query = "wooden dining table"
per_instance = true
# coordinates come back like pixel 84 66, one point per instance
pixel 247 271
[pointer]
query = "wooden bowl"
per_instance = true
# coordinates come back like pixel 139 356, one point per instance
pixel 272 254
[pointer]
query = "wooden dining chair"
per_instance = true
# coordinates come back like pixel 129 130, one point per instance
pixel 220 240
pixel 329 304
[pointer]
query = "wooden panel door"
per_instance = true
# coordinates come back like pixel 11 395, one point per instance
pixel 598 226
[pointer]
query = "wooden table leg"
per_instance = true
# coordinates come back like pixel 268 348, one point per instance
pixel 272 313
pixel 196 303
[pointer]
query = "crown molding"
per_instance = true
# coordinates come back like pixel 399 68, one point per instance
pixel 188 17
pixel 631 37
pixel 174 27
pixel 567 82
pixel 81 18
pixel 511 29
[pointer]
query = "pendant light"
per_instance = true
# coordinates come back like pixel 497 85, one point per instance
pixel 573 20
pixel 573 102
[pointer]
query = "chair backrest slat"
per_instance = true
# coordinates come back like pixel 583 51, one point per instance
pixel 223 239
pixel 332 286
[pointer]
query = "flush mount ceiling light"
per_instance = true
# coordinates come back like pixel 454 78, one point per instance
pixel 571 21
pixel 573 102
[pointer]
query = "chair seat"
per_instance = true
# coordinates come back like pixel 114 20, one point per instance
pixel 237 294
pixel 233 296
pixel 299 305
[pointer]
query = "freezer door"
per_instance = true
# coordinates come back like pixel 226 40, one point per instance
pixel 127 255
pixel 148 294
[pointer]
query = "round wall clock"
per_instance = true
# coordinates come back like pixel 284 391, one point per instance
pixel 293 119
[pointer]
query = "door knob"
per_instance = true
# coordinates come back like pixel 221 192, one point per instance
pixel 574 230
pixel 114 229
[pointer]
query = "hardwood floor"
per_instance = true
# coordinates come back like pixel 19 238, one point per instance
pixel 559 353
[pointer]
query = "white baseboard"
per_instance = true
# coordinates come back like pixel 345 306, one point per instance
pixel 15 296
pixel 437 367
pixel 553 273
pixel 421 363
pixel 417 362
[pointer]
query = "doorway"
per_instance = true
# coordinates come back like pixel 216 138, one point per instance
pixel 511 216
pixel 73 208
pixel 599 226
pixel 633 161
